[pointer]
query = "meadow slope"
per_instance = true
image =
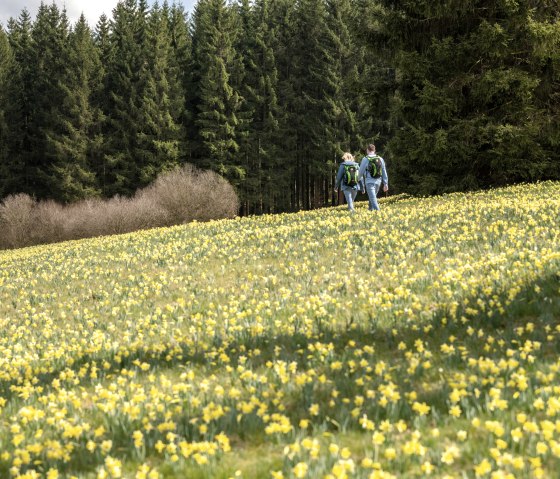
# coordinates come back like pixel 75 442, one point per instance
pixel 418 341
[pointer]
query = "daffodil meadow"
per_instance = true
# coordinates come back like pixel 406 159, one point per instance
pixel 419 341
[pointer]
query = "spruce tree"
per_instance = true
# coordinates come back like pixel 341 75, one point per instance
pixel 346 123
pixel 370 78
pixel 100 103
pixel 466 106
pixel 192 87
pixel 122 86
pixel 177 71
pixel 158 139
pixel 6 68
pixel 543 33
pixel 284 42
pixel 218 102
pixel 20 108
pixel 240 73
pixel 266 180
pixel 314 91
pixel 50 42
pixel 71 139
pixel 102 39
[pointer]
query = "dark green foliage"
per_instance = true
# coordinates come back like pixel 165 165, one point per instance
pixel 100 103
pixel 122 89
pixel 158 139
pixel 71 136
pixel 283 194
pixel 314 86
pixel 259 141
pixel 467 112
pixel 47 94
pixel 340 47
pixel 6 68
pixel 457 95
pixel 370 79
pixel 216 100
pixel 20 107
pixel 240 78
pixel 302 92
pixel 351 114
pixel 177 71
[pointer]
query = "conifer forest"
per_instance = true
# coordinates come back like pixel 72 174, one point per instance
pixel 458 95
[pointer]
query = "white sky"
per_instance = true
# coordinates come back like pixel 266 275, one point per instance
pixel 92 9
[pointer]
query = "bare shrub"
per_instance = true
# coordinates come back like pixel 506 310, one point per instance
pixel 223 201
pixel 119 215
pixel 188 194
pixel 147 213
pixel 97 217
pixel 49 219
pixel 16 220
pixel 83 219
pixel 179 196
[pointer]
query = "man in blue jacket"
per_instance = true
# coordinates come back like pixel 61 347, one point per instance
pixel 374 174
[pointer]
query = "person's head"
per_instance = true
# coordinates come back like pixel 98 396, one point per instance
pixel 371 149
pixel 347 157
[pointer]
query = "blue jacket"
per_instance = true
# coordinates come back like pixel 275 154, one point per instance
pixel 364 171
pixel 340 175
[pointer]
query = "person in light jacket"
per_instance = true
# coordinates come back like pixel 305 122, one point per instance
pixel 374 174
pixel 348 179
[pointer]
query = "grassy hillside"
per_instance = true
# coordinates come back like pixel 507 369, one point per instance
pixel 420 340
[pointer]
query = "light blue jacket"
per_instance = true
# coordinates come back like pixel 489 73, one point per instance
pixel 340 175
pixel 364 171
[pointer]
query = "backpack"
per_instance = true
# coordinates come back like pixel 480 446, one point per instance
pixel 350 177
pixel 374 166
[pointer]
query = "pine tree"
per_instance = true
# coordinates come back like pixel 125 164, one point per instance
pixel 20 107
pixel 240 80
pixel 122 113
pixel 158 139
pixel 177 71
pixel 313 93
pixel 543 29
pixel 284 42
pixel 70 138
pixel 266 180
pixel 102 39
pixel 372 76
pixel 465 106
pixel 6 67
pixel 50 42
pixel 191 89
pixel 101 103
pixel 217 102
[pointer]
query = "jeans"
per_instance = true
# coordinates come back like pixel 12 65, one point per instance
pixel 350 195
pixel 372 188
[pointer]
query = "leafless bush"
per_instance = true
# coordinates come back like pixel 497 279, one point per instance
pixel 84 218
pixel 176 197
pixel 16 220
pixel 189 194
pixel 49 219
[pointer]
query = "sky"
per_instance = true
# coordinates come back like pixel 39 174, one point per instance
pixel 92 9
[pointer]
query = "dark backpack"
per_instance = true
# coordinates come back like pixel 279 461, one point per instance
pixel 374 166
pixel 350 177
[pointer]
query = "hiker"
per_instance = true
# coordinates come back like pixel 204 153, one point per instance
pixel 348 180
pixel 373 174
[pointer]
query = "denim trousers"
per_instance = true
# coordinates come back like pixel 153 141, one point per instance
pixel 350 195
pixel 372 188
